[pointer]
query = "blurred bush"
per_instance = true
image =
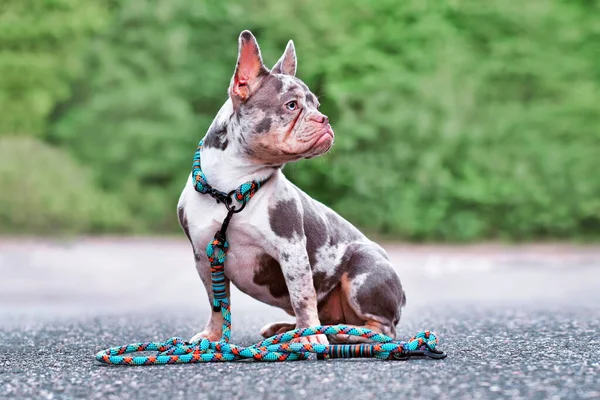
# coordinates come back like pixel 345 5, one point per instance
pixel 41 43
pixel 45 191
pixel 455 120
pixel 154 82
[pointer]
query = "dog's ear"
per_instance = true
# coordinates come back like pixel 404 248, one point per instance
pixel 249 70
pixel 287 62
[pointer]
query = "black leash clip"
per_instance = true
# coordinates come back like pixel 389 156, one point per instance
pixel 231 209
pixel 431 353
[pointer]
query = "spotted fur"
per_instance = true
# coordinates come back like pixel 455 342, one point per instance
pixel 286 249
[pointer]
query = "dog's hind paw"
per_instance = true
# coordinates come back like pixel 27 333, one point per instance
pixel 212 336
pixel 276 328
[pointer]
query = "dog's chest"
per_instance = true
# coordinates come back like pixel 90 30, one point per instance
pixel 248 249
pixel 250 268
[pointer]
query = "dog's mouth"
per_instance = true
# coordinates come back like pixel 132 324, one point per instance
pixel 321 145
pixel 325 139
pixel 318 144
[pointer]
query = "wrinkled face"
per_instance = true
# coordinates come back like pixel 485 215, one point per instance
pixel 277 115
pixel 284 121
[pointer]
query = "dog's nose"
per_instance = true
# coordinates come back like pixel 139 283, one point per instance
pixel 319 118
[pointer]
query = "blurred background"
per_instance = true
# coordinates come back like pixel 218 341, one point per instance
pixel 469 125
pixel 456 120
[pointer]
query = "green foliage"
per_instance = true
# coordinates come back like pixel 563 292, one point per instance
pixel 40 43
pixel 45 191
pixel 455 120
pixel 153 92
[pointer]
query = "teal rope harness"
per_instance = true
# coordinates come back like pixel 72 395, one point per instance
pixel 275 348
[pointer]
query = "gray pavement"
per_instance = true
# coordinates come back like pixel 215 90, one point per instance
pixel 517 322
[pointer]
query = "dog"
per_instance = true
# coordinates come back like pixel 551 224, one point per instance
pixel 285 249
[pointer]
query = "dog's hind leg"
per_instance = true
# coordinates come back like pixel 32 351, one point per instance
pixel 276 328
pixel 369 295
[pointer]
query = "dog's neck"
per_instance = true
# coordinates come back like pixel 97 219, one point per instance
pixel 226 167
pixel 225 171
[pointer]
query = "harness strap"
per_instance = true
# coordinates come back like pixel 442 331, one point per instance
pixel 243 193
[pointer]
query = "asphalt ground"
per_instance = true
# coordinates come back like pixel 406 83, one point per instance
pixel 516 322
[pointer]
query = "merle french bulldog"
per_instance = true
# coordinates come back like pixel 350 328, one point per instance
pixel 286 249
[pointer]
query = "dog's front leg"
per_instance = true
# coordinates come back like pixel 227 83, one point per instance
pixel 303 297
pixel 214 327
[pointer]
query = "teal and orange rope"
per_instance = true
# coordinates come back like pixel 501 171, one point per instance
pixel 276 348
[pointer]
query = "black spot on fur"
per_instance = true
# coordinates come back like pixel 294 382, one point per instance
pixel 285 256
pixel 264 125
pixel 285 219
pixel 184 225
pixel 277 85
pixel 314 230
pixel 183 222
pixel 269 274
pixel 324 283
pixel 352 262
pixel 358 260
pixel 318 278
pixel 216 138
pixel 381 294
pixel 340 230
pixel 266 95
pixel 323 227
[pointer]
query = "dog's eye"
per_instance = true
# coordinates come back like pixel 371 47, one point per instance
pixel 292 105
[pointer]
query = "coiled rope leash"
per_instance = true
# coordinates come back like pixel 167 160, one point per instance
pixel 275 348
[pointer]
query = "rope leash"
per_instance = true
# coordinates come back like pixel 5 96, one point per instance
pixel 276 348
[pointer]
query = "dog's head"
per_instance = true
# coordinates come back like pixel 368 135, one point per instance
pixel 276 116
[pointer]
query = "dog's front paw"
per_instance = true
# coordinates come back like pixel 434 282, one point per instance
pixel 212 336
pixel 320 339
